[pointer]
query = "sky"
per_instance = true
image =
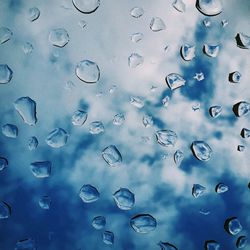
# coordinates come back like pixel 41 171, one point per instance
pixel 161 188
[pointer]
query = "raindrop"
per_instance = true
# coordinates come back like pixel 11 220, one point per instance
pixel 175 81
pixel 99 222
pixel 178 157
pixel 59 37
pixel 143 223
pixel 87 71
pixel 5 34
pixel 5 210
pixel 27 48
pixel 147 121
pixel 243 41
pixel 234 77
pixel 112 89
pixel 82 24
pixel 45 202
pixel 26 244
pixel 233 226
pixel 86 6
pixel 224 23
pixel 119 119
pixel 26 107
pixel 212 245
pixel 96 128
pixel 215 111
pixel 137 102
pixel 32 143
pixel 241 108
pixel 10 130
pixel 33 14
pixel 196 106
pixel 124 199
pixel 245 133
pixel 166 246
pixel 199 76
pixel 209 7
pixel 241 148
pixel 165 101
pixel 5 73
pixel 166 137
pixel 207 22
pixel 89 193
pixel 201 150
pixel 179 5
pixel 136 12
pixel 112 156
pixel 136 37
pixel 198 190
pixel 221 188
pixel 41 169
pixel 3 163
pixel 79 117
pixel 57 138
pixel 241 242
pixel 187 52
pixel 157 24
pixel 211 50
pixel 108 238
pixel 135 60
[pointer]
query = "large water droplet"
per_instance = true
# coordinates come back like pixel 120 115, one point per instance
pixel 124 198
pixel 96 128
pixel 136 37
pixel 212 245
pixel 26 107
pixel 33 14
pixel 166 246
pixel 79 117
pixel 112 156
pixel 26 244
pixel 86 6
pixel 245 133
pixel 135 60
pixel 241 242
pixel 137 101
pixel 119 119
pixel 147 121
pixel 59 37
pixel 10 130
pixel 233 226
pixel 166 137
pixel 108 238
pixel 5 210
pixel 211 50
pixel 241 108
pixel 243 41
pixel 87 71
pixel 45 202
pixel 89 193
pixel 175 81
pixel 5 73
pixel 178 157
pixel 136 12
pixel 201 150
pixel 41 169
pixel 99 222
pixel 157 24
pixel 187 52
pixel 234 77
pixel 215 111
pixel 143 223
pixel 179 5
pixel 3 163
pixel 32 143
pixel 57 138
pixel 5 34
pixel 198 190
pixel 221 188
pixel 209 7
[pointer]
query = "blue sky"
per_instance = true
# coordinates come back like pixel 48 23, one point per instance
pixel 161 188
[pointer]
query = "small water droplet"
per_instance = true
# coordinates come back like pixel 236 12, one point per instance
pixel 137 101
pixel 212 245
pixel 108 238
pixel 204 211
pixel 25 244
pixel 147 121
pixel 178 157
pixel 241 148
pixel 89 193
pixel 119 119
pixel 124 199
pixel 143 223
pixel 224 23
pixel 199 76
pixel 196 106
pixel 234 77
pixel 57 138
pixel 209 7
pixel 166 137
pixel 241 242
pixel 207 22
pixel 69 85
pixel 96 128
pixel 201 150
pixel 166 246
pixel 157 24
pixel 33 14
pixel 27 48
pixel 79 117
pixel 179 6
pixel 45 202
pixel 5 34
pixel 215 111
pixel 5 73
pixel 112 156
pixel 136 37
pixel 136 12
pixel 3 163
pixel 41 169
pixel 135 60
pixel 243 41
pixel 241 108
pixel 5 210
pixel 86 6
pixel 165 101
pixel 10 130
pixel 198 190
pixel 99 222
pixel 175 81
pixel 82 24
pixel 221 188
pixel 87 71
pixel 211 50
pixel 233 226
pixel 59 37
pixel 245 133
pixel 187 52
pixel 32 143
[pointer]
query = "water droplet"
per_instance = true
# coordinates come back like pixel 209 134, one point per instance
pixel 221 188
pixel 167 48
pixel 175 81
pixel 59 37
pixel 3 163
pixel 32 143
pixel 166 246
pixel 79 117
pixel 245 133
pixel 207 22
pixel 136 12
pixel 178 157
pixel 199 76
pixel 33 14
pixel 209 7
pixel 96 128
pixel 112 89
pixel 165 101
pixel 86 6
pixel 26 107
pixel 112 156
pixel 5 73
pixel 196 106
pixel 5 210
pixel 211 50
pixel 157 24
pixel 137 101
pixel 136 37
pixel 241 148
pixel 5 34
pixel 234 77
pixel 201 150
pixel 99 222
pixel 89 193
pixel 124 199
pixel 27 48
pixel 224 23
pixel 119 119
pixel 143 223
pixel 166 137
pixel 212 245
pixel 187 52
pixel 45 202
pixel 57 138
pixel 241 242
pixel 41 169
pixel 147 121
pixel 108 238
pixel 243 41
pixel 26 244
pixel 135 60
pixel 204 211
pixel 179 5
pixel 233 226
pixel 87 71
pixel 198 190
pixel 82 24
pixel 215 111
pixel 69 85
pixel 10 130
pixel 241 108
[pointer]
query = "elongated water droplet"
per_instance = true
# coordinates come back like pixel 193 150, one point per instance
pixel 79 118
pixel 143 223
pixel 135 60
pixel 166 137
pixel 57 138
pixel 137 101
pixel 233 226
pixel 212 245
pixel 87 71
pixel 241 108
pixel 99 222
pixel 241 242
pixel 112 156
pixel 41 169
pixel 245 133
pixel 201 150
pixel 215 111
pixel 27 48
pixel 136 37
pixel 108 238
pixel 25 244
pixel 211 50
pixel 96 128
pixel 243 41
pixel 178 157
pixel 198 190
pixel 32 143
pixel 166 246
pixel 124 199
pixel 5 73
pixel 59 37
pixel 26 107
pixel 209 7
pixel 136 12
pixel 33 14
pixel 45 202
pixel 89 193
pixel 3 163
pixel 175 81
pixel 179 5
pixel 147 121
pixel 5 210
pixel 165 101
pixel 5 34
pixel 157 24
pixel 86 6
pixel 10 130
pixel 187 52
pixel 119 119
pixel 221 188
pixel 234 77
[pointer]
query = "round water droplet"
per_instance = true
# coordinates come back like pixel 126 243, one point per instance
pixel 5 73
pixel 27 48
pixel 99 222
pixel 89 193
pixel 143 223
pixel 147 121
pixel 241 242
pixel 234 77
pixel 10 130
pixel 41 169
pixel 87 71
pixel 166 246
pixel 25 244
pixel 3 163
pixel 124 199
pixel 215 111
pixel 33 14
pixel 45 202
pixel 178 157
pixel 211 50
pixel 174 81
pixel 157 24
pixel 233 226
pixel 166 137
pixel 112 156
pixel 187 52
pixel 5 210
pixel 79 118
pixel 179 6
pixel 212 245
pixel 59 37
pixel 198 190
pixel 241 108
pixel 108 238
pixel 201 150
pixel 135 60
pixel 86 6
pixel 57 138
pixel 209 7
pixel 243 41
pixel 119 119
pixel 5 34
pixel 221 188
pixel 32 143
pixel 136 12
pixel 136 37
pixel 96 128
